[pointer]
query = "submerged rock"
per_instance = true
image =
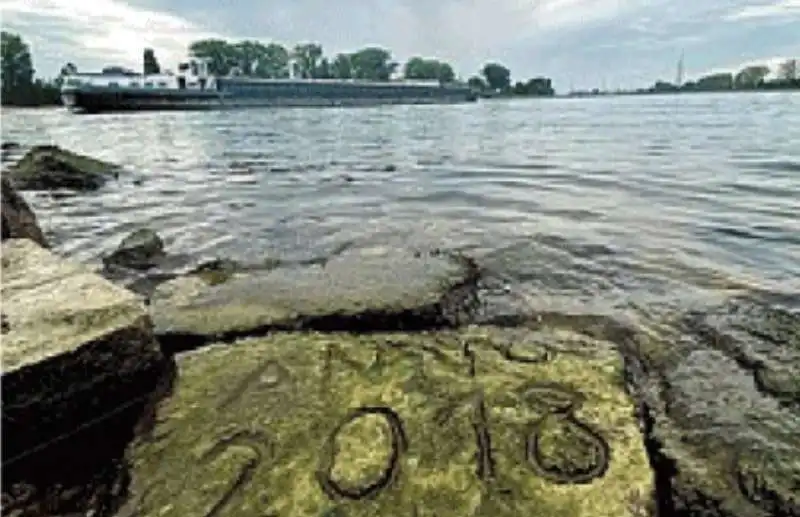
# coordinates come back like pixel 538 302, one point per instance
pixel 723 415
pixel 47 167
pixel 366 289
pixel 140 263
pixel 451 423
pixel 79 363
pixel 142 249
pixel 18 220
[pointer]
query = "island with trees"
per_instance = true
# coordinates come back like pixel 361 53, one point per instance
pixel 269 61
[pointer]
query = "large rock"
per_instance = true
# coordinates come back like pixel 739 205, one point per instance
pixel 723 411
pixel 79 365
pixel 364 289
pixel 453 423
pixel 18 220
pixel 47 167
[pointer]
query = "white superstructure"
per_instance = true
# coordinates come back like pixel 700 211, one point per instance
pixel 192 74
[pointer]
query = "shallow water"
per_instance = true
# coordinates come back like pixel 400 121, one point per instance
pixel 612 204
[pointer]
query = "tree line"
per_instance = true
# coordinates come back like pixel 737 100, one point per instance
pixel 749 78
pixel 308 60
pixel 753 77
pixel 20 86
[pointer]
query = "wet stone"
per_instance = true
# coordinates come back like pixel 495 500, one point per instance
pixel 46 167
pixel 431 424
pixel 726 442
pixel 76 350
pixel 18 220
pixel 365 289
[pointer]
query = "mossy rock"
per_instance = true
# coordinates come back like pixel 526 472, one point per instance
pixel 453 423
pixel 46 167
pixel 363 289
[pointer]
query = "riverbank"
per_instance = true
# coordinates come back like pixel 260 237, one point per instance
pixel 415 391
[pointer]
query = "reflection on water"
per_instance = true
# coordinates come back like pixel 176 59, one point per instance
pixel 614 203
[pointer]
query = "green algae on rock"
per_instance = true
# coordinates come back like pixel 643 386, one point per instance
pixel 721 398
pixel 365 289
pixel 430 424
pixel 46 167
pixel 76 350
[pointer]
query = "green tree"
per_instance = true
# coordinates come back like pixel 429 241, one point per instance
pixel 342 67
pixel 307 56
pixel 222 55
pixel 715 82
pixel 497 76
pixel 788 70
pixel 372 63
pixel 274 62
pixel 750 77
pixel 538 86
pixel 476 83
pixel 428 69
pixel 17 68
pixel 325 69
pixel 151 65
pixel 247 54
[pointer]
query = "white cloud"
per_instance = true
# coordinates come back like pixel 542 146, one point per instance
pixel 106 31
pixel 777 9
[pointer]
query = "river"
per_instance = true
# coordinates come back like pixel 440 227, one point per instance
pixel 611 204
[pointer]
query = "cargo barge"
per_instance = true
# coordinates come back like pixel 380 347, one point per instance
pixel 192 87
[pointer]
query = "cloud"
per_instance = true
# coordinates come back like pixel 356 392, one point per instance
pixel 584 43
pixel 98 32
pixel 782 9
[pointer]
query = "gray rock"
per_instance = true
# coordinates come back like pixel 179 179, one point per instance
pixel 18 220
pixel 366 289
pixel 47 167
pixel 721 405
pixel 80 364
pixel 142 249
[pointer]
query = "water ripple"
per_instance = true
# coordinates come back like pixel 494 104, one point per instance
pixel 616 201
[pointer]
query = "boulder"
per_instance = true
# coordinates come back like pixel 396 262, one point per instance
pixel 79 365
pixel 142 249
pixel 360 289
pixel 47 167
pixel 723 412
pixel 473 422
pixel 18 220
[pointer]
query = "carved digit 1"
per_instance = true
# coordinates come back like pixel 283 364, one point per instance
pixel 483 440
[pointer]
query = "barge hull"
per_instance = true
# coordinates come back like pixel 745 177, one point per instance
pixel 100 102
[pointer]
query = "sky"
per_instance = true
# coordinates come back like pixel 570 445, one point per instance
pixel 578 43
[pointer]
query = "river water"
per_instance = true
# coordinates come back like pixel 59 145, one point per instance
pixel 612 204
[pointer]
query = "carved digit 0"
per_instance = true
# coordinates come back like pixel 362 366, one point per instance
pixel 372 485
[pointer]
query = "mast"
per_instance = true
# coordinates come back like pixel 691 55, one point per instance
pixel 679 74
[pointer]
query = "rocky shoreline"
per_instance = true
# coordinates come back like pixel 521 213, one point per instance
pixel 376 382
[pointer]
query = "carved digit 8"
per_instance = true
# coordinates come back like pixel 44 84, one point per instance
pixel 589 464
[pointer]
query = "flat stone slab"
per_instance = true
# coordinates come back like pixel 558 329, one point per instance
pixel 365 289
pixel 76 350
pixel 722 394
pixel 461 423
